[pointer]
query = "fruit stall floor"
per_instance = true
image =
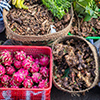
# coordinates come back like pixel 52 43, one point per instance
pixel 93 94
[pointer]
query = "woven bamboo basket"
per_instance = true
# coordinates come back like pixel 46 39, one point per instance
pixel 29 39
pixel 93 49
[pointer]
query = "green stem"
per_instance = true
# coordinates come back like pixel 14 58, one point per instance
pixel 84 7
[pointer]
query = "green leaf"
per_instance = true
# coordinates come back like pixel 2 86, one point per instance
pixel 14 29
pixel 80 16
pixel 81 0
pixel 94 30
pixel 57 7
pixel 66 73
pixel 95 16
pixel 55 77
pixel 89 11
pixel 65 51
pixel 87 17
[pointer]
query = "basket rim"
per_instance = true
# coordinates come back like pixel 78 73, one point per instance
pixel 32 47
pixel 96 66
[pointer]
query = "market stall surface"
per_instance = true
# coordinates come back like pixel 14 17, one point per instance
pixel 93 94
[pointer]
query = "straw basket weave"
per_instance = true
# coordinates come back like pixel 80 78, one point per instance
pixel 93 49
pixel 33 38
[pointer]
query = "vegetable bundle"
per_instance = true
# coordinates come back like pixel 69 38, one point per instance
pixel 57 7
pixel 83 8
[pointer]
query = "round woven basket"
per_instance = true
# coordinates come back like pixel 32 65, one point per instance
pixel 93 49
pixel 33 38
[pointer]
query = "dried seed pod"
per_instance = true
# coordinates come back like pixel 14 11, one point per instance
pixel 65 84
pixel 86 79
pixel 16 20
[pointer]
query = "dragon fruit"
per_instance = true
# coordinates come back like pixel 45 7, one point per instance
pixel 30 58
pixel 24 72
pixel 37 61
pixel 5 79
pixel 34 86
pixel 17 64
pixel 14 87
pixel 2 70
pixel 35 68
pixel 20 75
pixel 14 83
pixel 5 86
pixel 26 64
pixel 36 77
pixel 20 55
pixel 10 70
pixel 28 83
pixel 1 84
pixel 44 60
pixel 43 84
pixel 44 71
pixel 6 57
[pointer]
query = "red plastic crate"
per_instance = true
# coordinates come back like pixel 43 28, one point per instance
pixel 28 94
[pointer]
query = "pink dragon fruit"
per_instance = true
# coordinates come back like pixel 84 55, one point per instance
pixel 14 83
pixel 2 70
pixel 36 77
pixel 37 61
pixel 44 71
pixel 30 58
pixel 43 84
pixel 34 87
pixel 6 57
pixel 17 64
pixel 14 87
pixel 35 68
pixel 44 60
pixel 10 70
pixel 24 72
pixel 20 75
pixel 5 79
pixel 26 64
pixel 28 83
pixel 20 55
pixel 1 85
pixel 5 86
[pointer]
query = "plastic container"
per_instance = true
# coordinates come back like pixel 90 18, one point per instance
pixel 25 93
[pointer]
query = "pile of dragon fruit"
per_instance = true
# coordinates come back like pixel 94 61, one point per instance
pixel 19 70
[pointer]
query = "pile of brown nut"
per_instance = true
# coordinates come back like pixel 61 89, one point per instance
pixel 36 20
pixel 84 28
pixel 74 65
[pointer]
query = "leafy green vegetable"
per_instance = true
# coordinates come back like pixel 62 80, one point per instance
pixel 57 7
pixel 83 8
pixel 86 8
pixel 87 17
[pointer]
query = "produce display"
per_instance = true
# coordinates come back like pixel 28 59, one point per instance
pixel 20 70
pixel 75 62
pixel 87 18
pixel 74 65
pixel 38 18
pixel 84 28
